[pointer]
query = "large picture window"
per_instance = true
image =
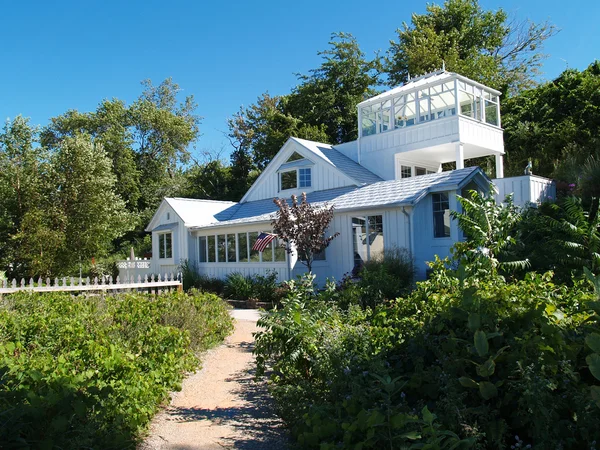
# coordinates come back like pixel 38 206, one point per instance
pixel 368 238
pixel 165 245
pixel 288 180
pixel 441 215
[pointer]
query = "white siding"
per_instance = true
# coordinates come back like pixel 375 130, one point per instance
pixel 324 176
pixel 480 134
pixel 426 246
pixel 179 242
pixel 526 188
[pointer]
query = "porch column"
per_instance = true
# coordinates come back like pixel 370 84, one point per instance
pixel 499 166
pixel 460 156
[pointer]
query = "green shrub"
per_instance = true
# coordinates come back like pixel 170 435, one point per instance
pixel 388 276
pixel 89 372
pixel 460 363
pixel 263 288
pixel 192 279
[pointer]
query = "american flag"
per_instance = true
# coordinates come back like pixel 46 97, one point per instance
pixel 263 240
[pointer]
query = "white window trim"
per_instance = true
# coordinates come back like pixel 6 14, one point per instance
pixel 297 187
pixel 164 233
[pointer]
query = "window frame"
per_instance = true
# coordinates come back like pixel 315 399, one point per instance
pixel 445 214
pixel 300 180
pixel 162 247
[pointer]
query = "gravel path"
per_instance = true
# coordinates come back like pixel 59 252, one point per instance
pixel 221 406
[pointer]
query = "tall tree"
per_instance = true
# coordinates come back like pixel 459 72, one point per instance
pixel 556 125
pixel 22 165
pixel 78 215
pixel 486 46
pixel 329 94
pixel 262 128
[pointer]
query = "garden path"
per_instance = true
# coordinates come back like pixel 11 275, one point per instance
pixel 221 405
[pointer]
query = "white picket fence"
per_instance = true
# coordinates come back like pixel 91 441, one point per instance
pixel 154 283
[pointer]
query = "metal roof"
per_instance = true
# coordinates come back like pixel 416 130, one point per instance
pixel 195 212
pixel 340 161
pixel 404 192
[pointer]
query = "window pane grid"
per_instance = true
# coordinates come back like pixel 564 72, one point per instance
pixel 304 176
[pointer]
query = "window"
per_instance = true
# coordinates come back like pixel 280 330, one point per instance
pixel 202 249
pixel 367 237
pixel 424 106
pixel 221 248
pixel 212 249
pixel 279 250
pixel 404 110
pixel 441 215
pixel 168 216
pixel 165 245
pixel 420 171
pixel 231 250
pixel 295 157
pixel 368 125
pixel 384 116
pixel 254 254
pixel 467 104
pixel 243 247
pixel 405 171
pixel 491 112
pixel 304 177
pixel 292 179
pixel 288 180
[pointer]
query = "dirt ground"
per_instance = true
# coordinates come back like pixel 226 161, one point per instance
pixel 221 406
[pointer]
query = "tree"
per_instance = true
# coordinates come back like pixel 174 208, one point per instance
pixel 78 214
pixel 22 167
pixel 483 45
pixel 261 129
pixel 331 93
pixel 556 125
pixel 302 226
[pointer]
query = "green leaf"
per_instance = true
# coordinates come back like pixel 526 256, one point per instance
pixel 593 342
pixel 487 368
pixel 595 306
pixel 474 321
pixel 412 435
pixel 595 392
pixel 487 390
pixel 428 417
pixel 468 382
pixel 593 361
pixel 481 343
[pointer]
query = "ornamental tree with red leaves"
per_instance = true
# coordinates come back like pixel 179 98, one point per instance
pixel 303 225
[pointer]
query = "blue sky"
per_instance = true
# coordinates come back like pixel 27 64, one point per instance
pixel 62 55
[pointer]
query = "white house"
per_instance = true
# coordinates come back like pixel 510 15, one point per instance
pixel 387 187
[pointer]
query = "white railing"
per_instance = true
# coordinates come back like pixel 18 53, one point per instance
pixel 137 264
pixel 526 189
pixel 158 283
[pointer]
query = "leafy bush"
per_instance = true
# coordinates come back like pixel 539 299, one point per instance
pixel 89 372
pixel 192 279
pixel 388 276
pixel 460 363
pixel 263 288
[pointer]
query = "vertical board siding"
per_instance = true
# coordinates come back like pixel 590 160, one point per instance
pixel 525 189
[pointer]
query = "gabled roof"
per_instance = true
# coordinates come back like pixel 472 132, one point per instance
pixel 194 212
pixel 327 153
pixel 340 161
pixel 404 192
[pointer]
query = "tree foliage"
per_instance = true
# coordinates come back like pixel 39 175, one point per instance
pixel 556 125
pixel 483 45
pixel 302 227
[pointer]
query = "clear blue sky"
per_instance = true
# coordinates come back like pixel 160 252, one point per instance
pixel 62 55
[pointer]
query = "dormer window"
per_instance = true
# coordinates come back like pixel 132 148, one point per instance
pixel 288 180
pixel 295 173
pixel 298 178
